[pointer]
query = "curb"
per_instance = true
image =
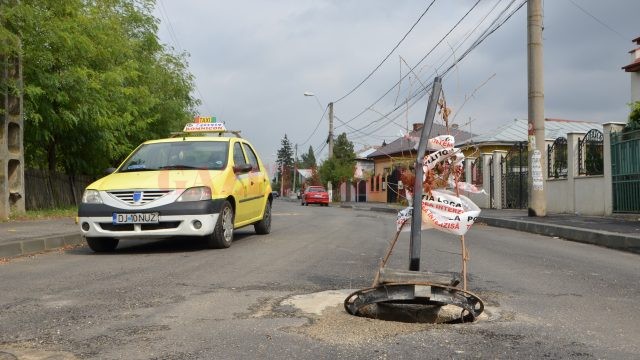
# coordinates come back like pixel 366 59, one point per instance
pixel 32 246
pixel 593 237
pixel 370 208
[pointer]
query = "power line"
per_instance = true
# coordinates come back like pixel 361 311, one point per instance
pixel 419 62
pixel 389 54
pixel 495 24
pixel 598 20
pixel 316 128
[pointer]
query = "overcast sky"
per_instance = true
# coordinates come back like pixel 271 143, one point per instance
pixel 253 60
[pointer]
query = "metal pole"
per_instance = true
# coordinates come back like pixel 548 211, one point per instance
pixel 295 168
pixel 537 154
pixel 282 179
pixel 330 130
pixel 415 242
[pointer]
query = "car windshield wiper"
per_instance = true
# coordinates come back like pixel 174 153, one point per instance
pixel 180 167
pixel 138 169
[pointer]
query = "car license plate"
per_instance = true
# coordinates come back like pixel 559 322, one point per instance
pixel 136 218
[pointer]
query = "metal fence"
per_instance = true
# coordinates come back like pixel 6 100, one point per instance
pixel 44 190
pixel 625 171
pixel 590 153
pixel 557 159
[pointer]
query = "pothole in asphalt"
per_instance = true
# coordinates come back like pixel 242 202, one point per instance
pixel 330 322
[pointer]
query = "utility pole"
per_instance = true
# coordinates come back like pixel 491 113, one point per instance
pixel 12 186
pixel 295 168
pixel 330 130
pixel 537 153
pixel 282 179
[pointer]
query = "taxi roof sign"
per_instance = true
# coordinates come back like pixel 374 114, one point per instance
pixel 204 119
pixel 204 127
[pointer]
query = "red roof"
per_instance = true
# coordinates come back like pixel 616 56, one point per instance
pixel 633 67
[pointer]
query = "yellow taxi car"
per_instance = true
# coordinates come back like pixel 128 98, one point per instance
pixel 196 186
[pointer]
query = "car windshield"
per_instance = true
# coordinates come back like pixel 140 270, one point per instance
pixel 180 155
pixel 316 189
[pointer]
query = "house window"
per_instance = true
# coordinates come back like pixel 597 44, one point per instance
pixel 371 187
pixel 378 178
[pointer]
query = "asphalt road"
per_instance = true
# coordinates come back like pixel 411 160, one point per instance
pixel 279 296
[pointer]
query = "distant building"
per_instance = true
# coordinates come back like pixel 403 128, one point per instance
pixel 515 131
pixel 390 159
pixel 634 69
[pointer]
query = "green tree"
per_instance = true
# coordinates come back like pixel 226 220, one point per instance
pixel 285 162
pixel 343 149
pixel 340 167
pixel 97 81
pixel 308 160
pixel 634 117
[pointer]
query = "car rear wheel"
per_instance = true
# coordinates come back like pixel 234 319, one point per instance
pixel 102 244
pixel 263 226
pixel 222 235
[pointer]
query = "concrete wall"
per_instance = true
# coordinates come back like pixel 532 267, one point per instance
pixel 635 87
pixel 559 200
pixel 589 195
pixel 347 195
pixel 482 199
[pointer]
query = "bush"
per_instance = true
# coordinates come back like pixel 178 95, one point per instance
pixel 634 117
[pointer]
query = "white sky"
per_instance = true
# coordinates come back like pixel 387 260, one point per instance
pixel 253 60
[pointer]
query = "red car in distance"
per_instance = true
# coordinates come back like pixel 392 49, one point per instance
pixel 315 195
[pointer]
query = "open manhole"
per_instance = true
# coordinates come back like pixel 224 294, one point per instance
pixel 415 303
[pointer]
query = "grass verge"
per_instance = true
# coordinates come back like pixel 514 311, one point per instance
pixel 69 212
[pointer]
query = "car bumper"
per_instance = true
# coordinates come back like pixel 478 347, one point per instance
pixel 176 219
pixel 317 201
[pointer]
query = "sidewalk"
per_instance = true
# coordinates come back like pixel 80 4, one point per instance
pixel 33 236
pixel 623 233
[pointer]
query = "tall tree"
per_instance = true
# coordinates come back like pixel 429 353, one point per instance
pixel 97 81
pixel 343 149
pixel 340 167
pixel 285 153
pixel 308 159
pixel 285 162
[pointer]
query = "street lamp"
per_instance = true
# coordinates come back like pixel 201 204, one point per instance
pixel 309 93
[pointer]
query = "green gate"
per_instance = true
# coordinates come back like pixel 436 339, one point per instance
pixel 625 171
pixel 514 170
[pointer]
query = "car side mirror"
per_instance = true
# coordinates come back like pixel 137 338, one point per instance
pixel 242 168
pixel 109 171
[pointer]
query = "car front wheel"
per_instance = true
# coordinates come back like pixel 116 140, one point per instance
pixel 102 244
pixel 263 226
pixel 223 231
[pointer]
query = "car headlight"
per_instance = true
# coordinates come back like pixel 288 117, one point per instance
pixel 196 194
pixel 91 197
